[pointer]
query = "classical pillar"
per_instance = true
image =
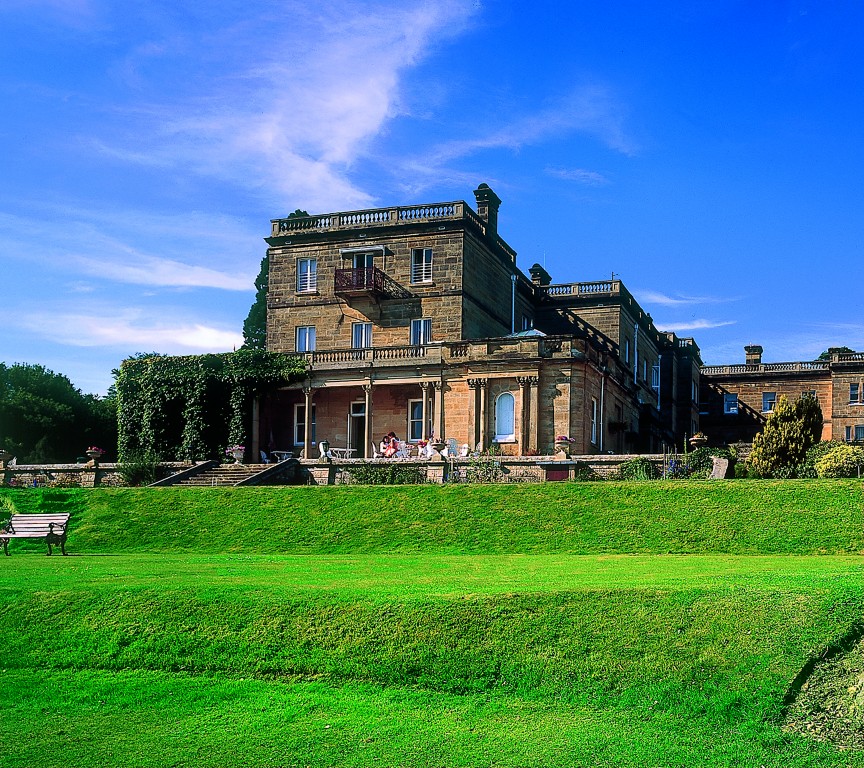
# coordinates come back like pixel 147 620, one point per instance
pixel 424 385
pixel 307 423
pixel 438 408
pixel 534 414
pixel 525 417
pixel 479 387
pixel 367 435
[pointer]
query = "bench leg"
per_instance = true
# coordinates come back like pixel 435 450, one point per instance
pixel 63 546
pixel 49 548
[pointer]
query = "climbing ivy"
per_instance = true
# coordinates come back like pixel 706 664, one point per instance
pixel 190 408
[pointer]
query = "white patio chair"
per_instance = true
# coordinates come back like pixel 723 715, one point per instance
pixel 264 458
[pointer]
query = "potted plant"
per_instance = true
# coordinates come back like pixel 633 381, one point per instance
pixel 563 444
pixel 237 452
pixel 94 454
pixel 698 440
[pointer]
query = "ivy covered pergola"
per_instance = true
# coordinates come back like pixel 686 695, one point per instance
pixel 190 408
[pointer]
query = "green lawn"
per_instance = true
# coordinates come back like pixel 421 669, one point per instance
pixel 442 650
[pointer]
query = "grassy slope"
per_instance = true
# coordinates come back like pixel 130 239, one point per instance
pixel 755 517
pixel 415 655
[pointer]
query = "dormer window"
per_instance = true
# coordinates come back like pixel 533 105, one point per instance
pixel 421 265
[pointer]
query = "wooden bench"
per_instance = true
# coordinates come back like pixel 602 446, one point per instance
pixel 51 528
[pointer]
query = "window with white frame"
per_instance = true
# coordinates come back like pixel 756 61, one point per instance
pixel 304 338
pixel 626 350
pixel 307 275
pixel 859 433
pixel 855 392
pixel 300 424
pixel 769 400
pixel 362 260
pixel 361 335
pixel 655 377
pixel 644 370
pixel 695 391
pixel 421 265
pixel 848 434
pixel 527 323
pixel 593 421
pixel 421 331
pixel 505 418
pixel 730 403
pixel 415 421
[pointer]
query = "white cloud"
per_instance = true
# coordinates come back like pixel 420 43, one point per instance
pixel 194 250
pixel 132 329
pixel 580 175
pixel 655 297
pixel 693 325
pixel 294 114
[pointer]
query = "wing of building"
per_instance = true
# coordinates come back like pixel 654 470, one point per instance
pixel 736 399
pixel 416 320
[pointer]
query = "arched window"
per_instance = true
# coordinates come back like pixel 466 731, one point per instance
pixel 505 418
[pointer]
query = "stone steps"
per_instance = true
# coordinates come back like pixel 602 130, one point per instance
pixel 225 474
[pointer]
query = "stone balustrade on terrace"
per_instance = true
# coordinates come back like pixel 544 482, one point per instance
pixel 436 354
pixel 797 367
pixel 385 217
pixel 378 217
pixel 582 289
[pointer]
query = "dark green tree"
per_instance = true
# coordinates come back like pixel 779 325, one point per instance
pixel 255 325
pixel 44 418
pixel 826 355
pixel 790 430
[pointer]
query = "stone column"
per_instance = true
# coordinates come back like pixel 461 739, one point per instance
pixel 534 414
pixel 525 418
pixel 367 436
pixel 424 385
pixel 479 387
pixel 438 408
pixel 256 429
pixel 307 424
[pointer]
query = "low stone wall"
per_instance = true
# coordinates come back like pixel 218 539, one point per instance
pixel 497 469
pixel 72 475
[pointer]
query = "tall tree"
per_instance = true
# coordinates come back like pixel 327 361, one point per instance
pixel 44 418
pixel 255 325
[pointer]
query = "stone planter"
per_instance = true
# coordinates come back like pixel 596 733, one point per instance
pixel 324 449
pixel 94 457
pixel 238 456
pixel 562 446
pixel 697 441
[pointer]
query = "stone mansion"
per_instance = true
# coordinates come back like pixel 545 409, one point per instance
pixel 417 320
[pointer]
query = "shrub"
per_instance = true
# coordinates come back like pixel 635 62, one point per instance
pixel 391 473
pixel 139 468
pixel 583 472
pixel 840 461
pixel 637 469
pixel 787 435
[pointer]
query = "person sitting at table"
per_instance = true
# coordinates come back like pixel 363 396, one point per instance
pixel 392 445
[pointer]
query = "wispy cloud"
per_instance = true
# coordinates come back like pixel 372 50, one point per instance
pixel 692 325
pixel 590 109
pixel 196 250
pixel 131 329
pixel 655 297
pixel 580 175
pixel 286 123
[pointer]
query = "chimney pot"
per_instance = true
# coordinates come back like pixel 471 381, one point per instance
pixel 753 354
pixel 487 208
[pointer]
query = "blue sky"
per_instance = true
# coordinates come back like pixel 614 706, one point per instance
pixel 710 154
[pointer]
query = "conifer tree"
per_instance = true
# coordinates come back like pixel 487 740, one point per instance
pixel 783 442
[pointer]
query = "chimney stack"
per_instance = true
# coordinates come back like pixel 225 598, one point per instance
pixel 753 354
pixel 487 208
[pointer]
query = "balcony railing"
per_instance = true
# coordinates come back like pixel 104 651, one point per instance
pixel 360 280
pixel 378 217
